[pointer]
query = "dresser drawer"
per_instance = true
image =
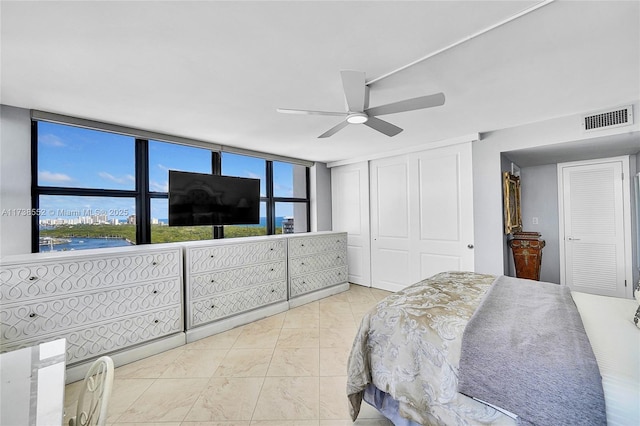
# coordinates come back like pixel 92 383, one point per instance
pixel 207 284
pixel 227 304
pixel 28 281
pixel 28 320
pixel 317 280
pixel 211 258
pixel 302 246
pixel 316 262
pixel 100 339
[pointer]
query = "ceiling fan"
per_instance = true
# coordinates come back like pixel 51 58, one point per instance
pixel 356 93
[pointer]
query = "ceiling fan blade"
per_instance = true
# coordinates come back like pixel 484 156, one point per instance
pixel 408 105
pixel 307 112
pixel 334 129
pixel 353 83
pixel 383 126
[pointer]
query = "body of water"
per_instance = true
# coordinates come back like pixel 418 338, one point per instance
pixel 84 244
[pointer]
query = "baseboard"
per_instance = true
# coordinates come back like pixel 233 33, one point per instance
pixel 77 371
pixel 319 294
pixel 216 327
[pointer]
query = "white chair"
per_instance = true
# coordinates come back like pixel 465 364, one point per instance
pixel 94 395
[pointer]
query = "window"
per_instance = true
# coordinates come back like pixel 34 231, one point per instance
pixel 290 198
pixel 164 156
pixel 105 188
pixel 283 191
pixel 85 191
pixel 249 167
pixel 73 157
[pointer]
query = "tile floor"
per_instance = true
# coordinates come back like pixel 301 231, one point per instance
pixel 285 370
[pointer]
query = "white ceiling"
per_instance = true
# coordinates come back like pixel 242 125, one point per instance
pixel 216 71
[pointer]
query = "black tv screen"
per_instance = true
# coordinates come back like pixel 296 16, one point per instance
pixel 202 199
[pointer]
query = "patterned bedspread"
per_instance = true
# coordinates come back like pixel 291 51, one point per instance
pixel 409 347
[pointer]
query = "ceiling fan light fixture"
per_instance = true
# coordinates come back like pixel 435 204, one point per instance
pixel 357 118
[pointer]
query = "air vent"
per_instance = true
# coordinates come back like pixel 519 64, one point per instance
pixel 608 119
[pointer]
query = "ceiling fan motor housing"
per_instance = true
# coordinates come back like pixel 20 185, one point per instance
pixel 357 118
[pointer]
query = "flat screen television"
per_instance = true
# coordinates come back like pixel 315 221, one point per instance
pixel 203 199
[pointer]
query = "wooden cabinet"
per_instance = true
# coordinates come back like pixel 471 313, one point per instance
pixel 527 254
pixel 101 301
pixel 317 262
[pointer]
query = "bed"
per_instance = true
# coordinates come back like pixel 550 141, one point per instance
pixel 406 357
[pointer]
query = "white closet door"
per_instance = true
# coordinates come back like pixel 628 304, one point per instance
pixel 421 216
pixel 390 226
pixel 350 214
pixel 593 226
pixel 444 227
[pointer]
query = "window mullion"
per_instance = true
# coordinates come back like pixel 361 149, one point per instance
pixel 271 207
pixel 143 201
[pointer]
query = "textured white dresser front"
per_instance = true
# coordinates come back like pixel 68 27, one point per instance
pixel 317 261
pixel 229 277
pixel 101 301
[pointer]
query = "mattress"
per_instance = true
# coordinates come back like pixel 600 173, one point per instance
pixel 615 341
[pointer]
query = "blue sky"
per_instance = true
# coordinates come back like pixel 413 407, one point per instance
pixel 80 158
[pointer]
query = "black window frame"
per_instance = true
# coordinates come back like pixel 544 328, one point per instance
pixel 143 195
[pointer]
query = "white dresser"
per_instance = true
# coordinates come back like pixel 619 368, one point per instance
pixel 129 303
pixel 317 266
pixel 231 282
pixel 101 301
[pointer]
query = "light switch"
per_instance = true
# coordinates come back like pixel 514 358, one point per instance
pixel 535 220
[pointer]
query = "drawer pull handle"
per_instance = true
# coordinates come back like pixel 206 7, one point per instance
pixel 33 278
pixel 212 256
pixel 154 263
pixel 273 290
pixel 156 321
pixel 213 281
pixel 302 263
pixel 271 249
pixel 33 315
pixel 301 245
pixel 155 292
pixel 213 306
pixel 271 269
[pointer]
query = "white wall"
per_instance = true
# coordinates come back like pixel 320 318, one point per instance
pixel 320 203
pixel 489 235
pixel 15 180
pixel 540 200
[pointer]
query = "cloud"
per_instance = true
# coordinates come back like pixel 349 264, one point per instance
pixel 158 187
pixel 51 140
pixel 46 176
pixel 122 180
pixel 284 190
pixel 253 175
pixel 163 167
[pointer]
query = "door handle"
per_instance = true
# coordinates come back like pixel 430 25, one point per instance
pixel 469 246
pixel 573 239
